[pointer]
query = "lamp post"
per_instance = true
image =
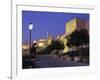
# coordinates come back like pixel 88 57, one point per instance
pixel 30 34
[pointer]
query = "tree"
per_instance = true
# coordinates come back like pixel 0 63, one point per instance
pixel 78 38
pixel 56 45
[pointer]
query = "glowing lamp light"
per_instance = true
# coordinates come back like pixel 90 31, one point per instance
pixel 30 26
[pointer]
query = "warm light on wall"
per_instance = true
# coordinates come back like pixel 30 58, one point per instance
pixel 25 46
pixel 71 26
pixel 40 44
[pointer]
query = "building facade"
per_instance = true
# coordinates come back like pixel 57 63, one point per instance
pixel 76 24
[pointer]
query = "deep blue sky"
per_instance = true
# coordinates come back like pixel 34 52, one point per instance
pixel 51 22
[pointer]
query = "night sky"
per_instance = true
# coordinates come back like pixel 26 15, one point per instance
pixel 51 22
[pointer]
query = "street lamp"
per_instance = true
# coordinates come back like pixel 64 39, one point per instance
pixel 30 30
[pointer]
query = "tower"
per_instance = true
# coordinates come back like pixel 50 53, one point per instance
pixel 76 24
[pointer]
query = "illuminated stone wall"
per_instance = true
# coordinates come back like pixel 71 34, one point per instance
pixel 71 26
pixel 76 23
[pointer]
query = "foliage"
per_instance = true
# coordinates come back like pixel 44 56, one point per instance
pixel 55 45
pixel 78 37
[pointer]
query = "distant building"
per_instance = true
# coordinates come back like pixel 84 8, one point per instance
pixel 58 37
pixel 25 45
pixel 41 44
pixel 25 48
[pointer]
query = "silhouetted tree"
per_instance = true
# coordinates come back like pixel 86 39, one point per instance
pixel 56 44
pixel 78 37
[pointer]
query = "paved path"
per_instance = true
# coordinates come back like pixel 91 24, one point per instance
pixel 44 61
